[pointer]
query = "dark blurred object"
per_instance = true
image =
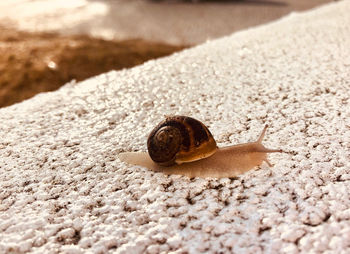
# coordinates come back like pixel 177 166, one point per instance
pixel 34 63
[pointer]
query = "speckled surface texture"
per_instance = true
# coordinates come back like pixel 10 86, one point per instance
pixel 62 188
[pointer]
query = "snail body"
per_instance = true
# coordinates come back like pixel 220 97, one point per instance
pixel 183 145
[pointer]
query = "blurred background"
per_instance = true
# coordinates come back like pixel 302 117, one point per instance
pixel 47 43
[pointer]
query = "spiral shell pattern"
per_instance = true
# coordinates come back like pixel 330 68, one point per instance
pixel 180 139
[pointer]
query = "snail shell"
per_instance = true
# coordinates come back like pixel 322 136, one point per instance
pixel 180 139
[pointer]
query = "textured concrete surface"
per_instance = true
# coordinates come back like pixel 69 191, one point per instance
pixel 62 188
pixel 170 21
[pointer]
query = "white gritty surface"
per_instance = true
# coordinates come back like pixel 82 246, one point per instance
pixel 62 188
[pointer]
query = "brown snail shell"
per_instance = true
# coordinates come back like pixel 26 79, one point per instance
pixel 180 139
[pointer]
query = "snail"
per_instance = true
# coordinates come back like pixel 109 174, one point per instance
pixel 183 145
